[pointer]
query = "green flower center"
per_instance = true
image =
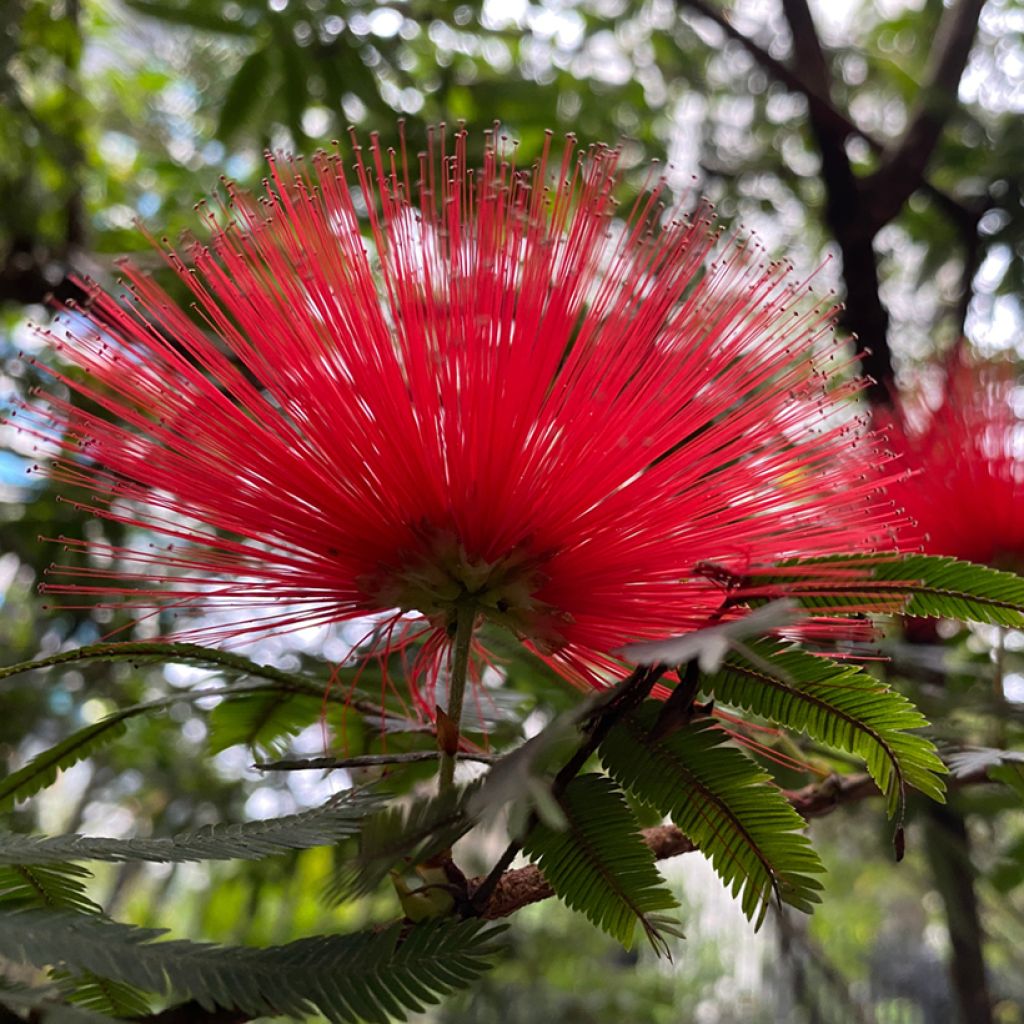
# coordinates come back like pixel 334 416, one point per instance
pixel 442 577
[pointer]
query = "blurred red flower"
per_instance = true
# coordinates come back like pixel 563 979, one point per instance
pixel 504 391
pixel 963 451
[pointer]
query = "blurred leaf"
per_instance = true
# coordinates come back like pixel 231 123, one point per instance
pixel 262 721
pixel 413 832
pixel 339 818
pixel 246 95
pixel 43 769
pixel 89 991
pixel 198 14
pixel 367 975
pixel 52 886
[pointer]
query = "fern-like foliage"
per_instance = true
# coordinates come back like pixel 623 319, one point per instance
pixel 100 995
pixel 51 886
pixel 599 865
pixel 61 887
pixel 144 652
pixel 341 817
pixel 921 585
pixel 839 705
pixel 413 831
pixel 263 721
pixel 44 1007
pixel 727 806
pixel 372 976
pixel 41 771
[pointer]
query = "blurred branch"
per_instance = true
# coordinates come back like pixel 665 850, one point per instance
pixel 904 162
pixel 821 105
pixel 947 847
pixel 364 761
pixel 863 315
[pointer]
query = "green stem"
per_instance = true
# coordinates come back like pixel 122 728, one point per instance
pixel 464 621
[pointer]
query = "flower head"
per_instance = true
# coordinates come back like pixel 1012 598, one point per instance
pixel 426 386
pixel 964 457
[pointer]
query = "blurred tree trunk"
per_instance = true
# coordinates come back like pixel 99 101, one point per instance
pixel 947 846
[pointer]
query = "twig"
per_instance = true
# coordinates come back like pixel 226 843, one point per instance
pixel 364 761
pixel 904 162
pixel 630 693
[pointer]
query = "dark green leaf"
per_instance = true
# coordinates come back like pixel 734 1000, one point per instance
pixel 919 585
pixel 598 864
pixel 839 705
pixel 51 886
pixel 340 818
pixel 727 806
pixel 247 92
pixel 370 976
pixel 41 771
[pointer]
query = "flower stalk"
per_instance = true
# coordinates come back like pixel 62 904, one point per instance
pixel 448 733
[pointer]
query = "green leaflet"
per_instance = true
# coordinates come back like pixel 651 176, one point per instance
pixel 724 802
pixel 43 768
pixel 599 864
pixel 263 721
pixel 372 976
pixel 839 705
pixel 61 887
pixel 44 1009
pixel 415 831
pixel 171 653
pixel 90 992
pixel 45 886
pixel 921 585
pixel 340 818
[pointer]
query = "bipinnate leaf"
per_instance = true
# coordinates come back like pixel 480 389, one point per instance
pixel 61 887
pixel 598 864
pixel 723 802
pixel 41 771
pixel 51 886
pixel 1005 766
pixel 341 817
pixel 90 992
pixel 837 704
pixel 927 586
pixel 372 976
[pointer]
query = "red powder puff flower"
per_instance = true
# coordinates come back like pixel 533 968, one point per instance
pixel 964 456
pixel 502 396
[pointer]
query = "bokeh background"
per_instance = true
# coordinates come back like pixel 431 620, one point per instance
pixel 875 143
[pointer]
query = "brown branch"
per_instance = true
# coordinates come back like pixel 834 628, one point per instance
pixel 522 886
pixel 904 161
pixel 821 106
